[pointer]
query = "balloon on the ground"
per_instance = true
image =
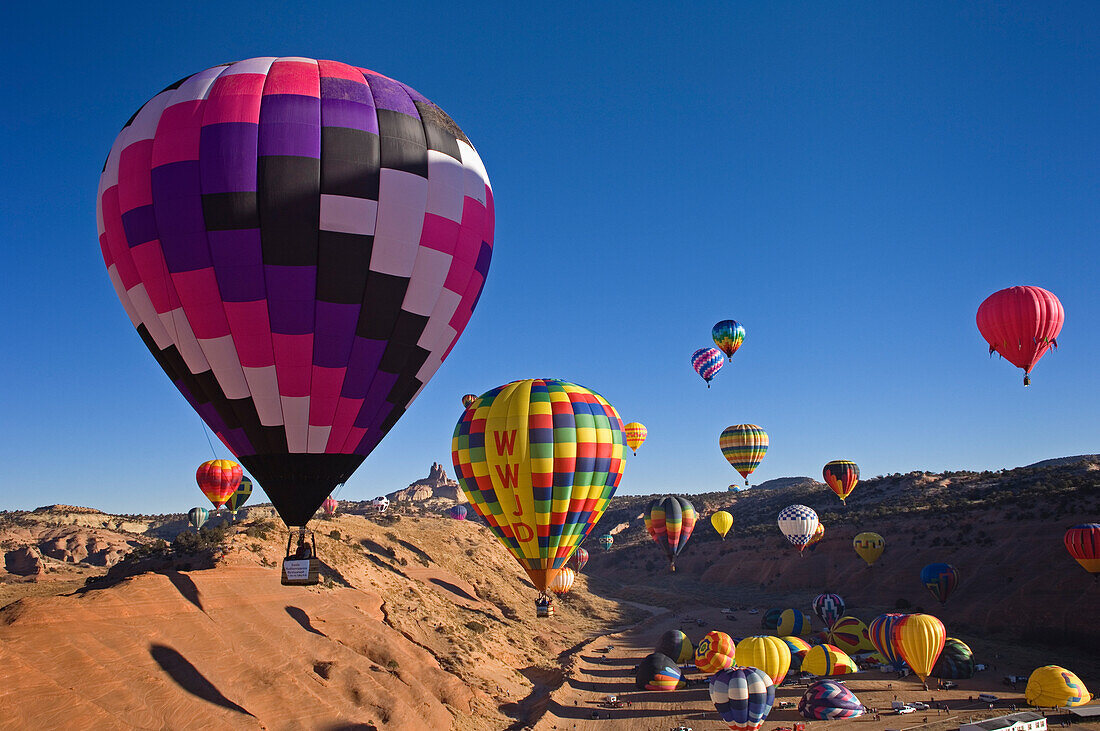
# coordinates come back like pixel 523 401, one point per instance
pixel 218 479
pixel 841 475
pixel 299 243
pixel 744 447
pixel 850 634
pixel 240 495
pixel 819 533
pixel 198 516
pixel 715 652
pixel 770 619
pixel 677 645
pixel 1020 324
pixel 955 662
pixel 579 559
pixel 607 541
pixel 1083 543
pixel 1053 686
pixel 728 336
pixel 826 659
pixel 940 579
pixel 707 362
pixel 329 506
pixel 828 700
pixel 798 524
pixel 743 697
pixel 563 581
pixel 829 608
pixel 458 512
pixel 919 639
pixel 722 522
pixel 795 623
pixel 869 546
pixel 539 459
pixel 635 435
pixel 658 672
pixel 670 521
pixel 768 653
pixel 468 400
pixel 798 646
pixel 880 631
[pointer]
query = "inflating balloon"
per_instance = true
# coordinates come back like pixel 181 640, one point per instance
pixel 768 653
pixel 744 447
pixel 458 512
pixel 722 522
pixel 539 459
pixel 841 476
pixel 881 633
pixel 1083 543
pixel 795 623
pixel 829 608
pixel 198 516
pixel 743 697
pixel 827 700
pixel 658 672
pixel 798 523
pixel 728 336
pixel 919 639
pixel 707 362
pixel 563 581
pixel 956 661
pixel 219 479
pixel 635 435
pixel 1021 324
pixel 940 579
pixel 299 243
pixel 676 645
pixel 714 652
pixel 240 495
pixel 468 400
pixel 869 546
pixel 579 559
pixel 670 521
pixel 850 634
pixel 826 659
pixel 1052 686
pixel 329 506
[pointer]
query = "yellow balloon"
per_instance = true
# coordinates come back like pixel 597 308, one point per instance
pixel 635 433
pixel 795 623
pixel 722 522
pixel 919 640
pixel 1052 686
pixel 767 653
pixel 828 660
pixel 869 546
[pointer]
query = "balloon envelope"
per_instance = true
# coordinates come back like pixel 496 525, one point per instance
pixel 919 639
pixel 826 659
pixel 563 581
pixel 607 541
pixel 707 362
pixel 458 512
pixel 635 435
pixel 795 623
pixel 1083 543
pixel 1051 686
pixel 218 479
pixel 722 522
pixel 850 634
pixel 841 476
pixel 715 652
pixel 539 459
pixel 743 697
pixel 827 700
pixel 744 447
pixel 468 400
pixel 798 524
pixel 1021 324
pixel 819 533
pixel 299 243
pixel 240 495
pixel 770 619
pixel 670 522
pixel 940 579
pixel 658 672
pixel 329 506
pixel 579 559
pixel 829 608
pixel 869 546
pixel 198 516
pixel 956 661
pixel 770 654
pixel 881 633
pixel 676 645
pixel 728 336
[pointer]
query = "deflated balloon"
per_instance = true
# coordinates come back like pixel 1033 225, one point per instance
pixel 707 362
pixel 728 336
pixel 841 476
pixel 919 639
pixel 539 459
pixel 635 435
pixel 1021 324
pixel 940 579
pixel 829 608
pixel 827 700
pixel 770 619
pixel 219 479
pixel 798 524
pixel 869 546
pixel 198 516
pixel 743 697
pixel 715 652
pixel 722 522
pixel 794 622
pixel 240 495
pixel 850 634
pixel 1052 686
pixel 826 659
pixel 676 645
pixel 658 672
pixel 1083 543
pixel 299 243
pixel 744 447
pixel 768 653
pixel 956 661
pixel 670 521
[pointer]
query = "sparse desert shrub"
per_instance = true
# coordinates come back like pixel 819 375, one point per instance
pixel 334 535
pixel 392 665
pixel 260 529
pixel 207 538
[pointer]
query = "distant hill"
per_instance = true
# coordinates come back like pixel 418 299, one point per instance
pixel 1061 461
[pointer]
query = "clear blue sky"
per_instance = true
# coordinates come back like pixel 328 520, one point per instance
pixel 848 180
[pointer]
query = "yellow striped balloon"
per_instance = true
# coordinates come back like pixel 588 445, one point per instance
pixel 919 639
pixel 869 546
pixel 722 522
pixel 715 652
pixel 539 459
pixel 635 435
pixel 744 447
pixel 828 659
pixel 767 653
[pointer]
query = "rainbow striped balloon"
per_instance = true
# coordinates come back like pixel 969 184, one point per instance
pixel 744 447
pixel 670 521
pixel 728 336
pixel 707 362
pixel 881 634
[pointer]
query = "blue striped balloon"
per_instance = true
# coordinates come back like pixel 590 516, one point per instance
pixel 707 362
pixel 826 700
pixel 742 696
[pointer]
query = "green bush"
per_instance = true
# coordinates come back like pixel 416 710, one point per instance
pixel 205 539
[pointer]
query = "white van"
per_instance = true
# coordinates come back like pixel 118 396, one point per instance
pixel 987 697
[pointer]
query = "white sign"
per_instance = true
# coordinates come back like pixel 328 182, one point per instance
pixel 296 570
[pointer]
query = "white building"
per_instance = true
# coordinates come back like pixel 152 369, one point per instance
pixel 1024 721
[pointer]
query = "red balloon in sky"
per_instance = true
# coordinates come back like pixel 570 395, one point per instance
pixel 1021 324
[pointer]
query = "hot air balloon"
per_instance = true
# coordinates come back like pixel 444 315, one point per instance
pixel 798 523
pixel 218 479
pixel 329 506
pixel 563 581
pixel 849 634
pixel 468 400
pixel 728 336
pixel 956 661
pixel 539 459
pixel 737 488
pixel 919 640
pixel 240 495
pixel 299 243
pixel 940 579
pixel 794 622
pixel 1052 686
pixel 658 672
pixel 670 521
pixel 197 517
pixel 579 559
pixel 770 619
pixel 458 512
pixel 635 435
pixel 722 522
pixel 742 696
pixel 768 653
pixel 798 646
pixel 819 533
pixel 826 659
pixel 881 633
pixel 707 362
pixel 607 541
pixel 869 546
pixel 828 700
pixel 1083 543
pixel 1021 324
pixel 744 447
pixel 829 608
pixel 676 645
pixel 715 652
pixel 841 476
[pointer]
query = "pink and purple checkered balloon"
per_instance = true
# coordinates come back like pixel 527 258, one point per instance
pixel 707 362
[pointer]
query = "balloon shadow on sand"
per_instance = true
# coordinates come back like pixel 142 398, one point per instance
pixel 299 616
pixel 190 679
pixel 185 586
pixel 453 589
